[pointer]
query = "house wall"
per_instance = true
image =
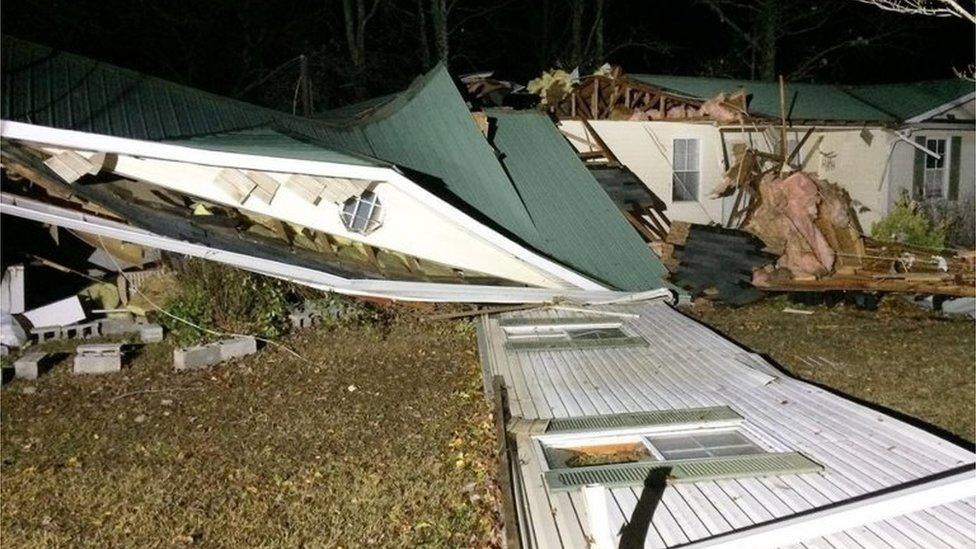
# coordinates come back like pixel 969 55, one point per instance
pixel 903 159
pixel 854 158
pixel 646 148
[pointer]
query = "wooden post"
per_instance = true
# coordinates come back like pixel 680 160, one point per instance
pixel 782 120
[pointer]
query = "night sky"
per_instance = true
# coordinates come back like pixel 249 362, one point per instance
pixel 231 46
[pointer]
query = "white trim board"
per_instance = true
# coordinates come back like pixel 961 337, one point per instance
pixel 866 510
pixel 149 149
pixel 941 108
pixel 391 289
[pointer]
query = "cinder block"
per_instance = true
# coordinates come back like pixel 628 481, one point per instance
pixel 101 358
pixel 118 326
pixel 237 347
pixel 29 365
pixel 46 333
pixel 194 358
pixel 85 330
pixel 150 333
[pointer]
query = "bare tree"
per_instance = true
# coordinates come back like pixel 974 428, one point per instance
pixel 935 8
pixel 356 16
pixel 438 18
pixel 765 25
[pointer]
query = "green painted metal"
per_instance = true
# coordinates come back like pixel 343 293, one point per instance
pixel 427 131
pixel 883 103
pixel 688 470
pixel 53 88
pixel 651 418
pixel 274 143
pixel 511 322
pixel 908 100
pixel 579 224
pixel 576 344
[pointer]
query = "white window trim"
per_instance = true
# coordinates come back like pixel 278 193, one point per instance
pixel 699 163
pixel 946 160
pixel 639 435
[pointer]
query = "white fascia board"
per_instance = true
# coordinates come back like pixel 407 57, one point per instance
pixel 941 108
pixel 859 512
pixel 391 289
pixel 164 151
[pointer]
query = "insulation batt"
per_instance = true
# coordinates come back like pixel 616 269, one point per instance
pixel 784 220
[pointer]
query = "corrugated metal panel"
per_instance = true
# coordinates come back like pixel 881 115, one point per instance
pixel 270 142
pixel 653 418
pixel 911 99
pixel 577 220
pixel 804 101
pixel 690 470
pixel 688 365
pixel 52 88
pixel 428 129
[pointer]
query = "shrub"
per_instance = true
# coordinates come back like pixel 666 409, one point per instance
pixel 339 310
pixel 225 299
pixel 908 224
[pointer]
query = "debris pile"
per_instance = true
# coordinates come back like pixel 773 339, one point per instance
pixel 809 229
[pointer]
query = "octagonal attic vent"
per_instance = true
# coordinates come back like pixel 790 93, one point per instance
pixel 362 214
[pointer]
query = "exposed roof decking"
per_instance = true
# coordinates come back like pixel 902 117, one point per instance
pixel 685 366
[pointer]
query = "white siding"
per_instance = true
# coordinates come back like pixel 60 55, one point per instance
pixel 646 148
pixel 687 365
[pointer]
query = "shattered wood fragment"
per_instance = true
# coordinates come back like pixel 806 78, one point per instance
pixel 235 183
pixel 307 188
pixel 266 187
pixel 71 166
pixel 339 190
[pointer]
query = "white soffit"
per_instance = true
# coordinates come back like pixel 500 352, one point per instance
pixel 398 290
pixel 150 149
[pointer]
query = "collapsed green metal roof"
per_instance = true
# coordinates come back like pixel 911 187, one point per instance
pixel 426 130
pixel 577 220
pixel 914 98
pixel 883 103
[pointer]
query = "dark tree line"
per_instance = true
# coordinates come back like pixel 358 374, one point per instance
pixel 257 50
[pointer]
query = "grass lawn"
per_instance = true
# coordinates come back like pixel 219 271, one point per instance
pixel 382 437
pixel 900 357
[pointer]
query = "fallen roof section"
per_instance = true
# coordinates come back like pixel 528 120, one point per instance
pixel 426 132
pixel 869 459
pixel 567 204
pixel 392 289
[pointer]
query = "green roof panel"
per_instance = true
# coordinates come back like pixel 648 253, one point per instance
pixel 914 98
pixel 803 101
pixel 578 223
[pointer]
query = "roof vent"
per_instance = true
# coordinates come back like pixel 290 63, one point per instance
pixel 363 213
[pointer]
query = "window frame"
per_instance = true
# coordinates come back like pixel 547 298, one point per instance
pixel 544 443
pixel 943 165
pixel 373 219
pixel 698 168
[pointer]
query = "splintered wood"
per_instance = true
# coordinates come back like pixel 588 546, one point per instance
pixel 614 96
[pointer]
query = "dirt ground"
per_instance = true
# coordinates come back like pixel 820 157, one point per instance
pixel 382 437
pixel 900 356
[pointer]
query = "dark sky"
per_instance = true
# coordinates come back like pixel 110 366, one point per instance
pixel 226 46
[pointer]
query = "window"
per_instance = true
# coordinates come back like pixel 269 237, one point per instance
pixel 568 336
pixel 935 172
pixel 638 448
pixel 361 214
pixel 703 445
pixel 686 170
